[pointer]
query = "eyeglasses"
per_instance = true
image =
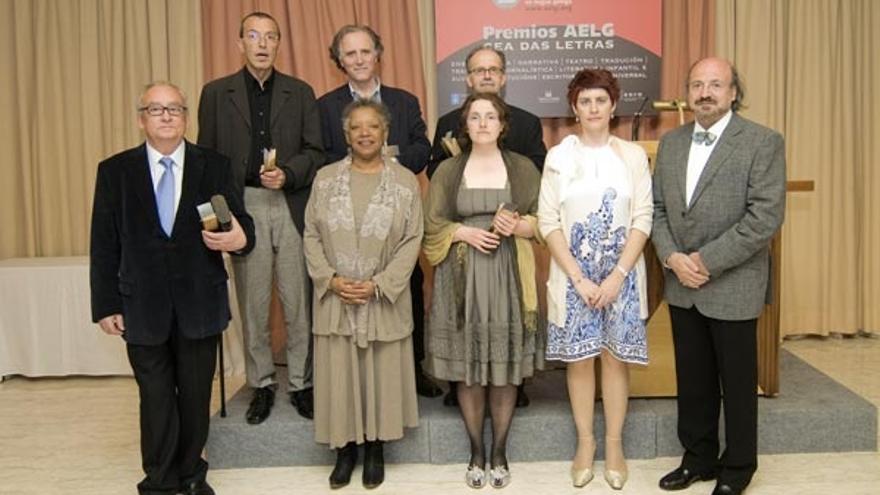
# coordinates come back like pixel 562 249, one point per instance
pixel 255 37
pixel 492 71
pixel 157 110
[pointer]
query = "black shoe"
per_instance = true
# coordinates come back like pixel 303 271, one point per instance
pixel 261 405
pixel 725 489
pixel 346 458
pixel 681 478
pixel 374 465
pixel 197 488
pixel 425 386
pixel 522 400
pixel 304 402
pixel 451 397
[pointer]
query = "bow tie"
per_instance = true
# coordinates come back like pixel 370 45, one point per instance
pixel 704 137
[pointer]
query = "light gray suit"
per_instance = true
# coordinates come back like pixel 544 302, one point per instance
pixel 735 209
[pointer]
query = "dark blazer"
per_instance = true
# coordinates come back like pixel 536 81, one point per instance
pixel 407 132
pixel 225 126
pixel 524 136
pixel 138 271
pixel 737 206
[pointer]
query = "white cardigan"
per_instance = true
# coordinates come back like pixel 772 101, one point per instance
pixel 559 168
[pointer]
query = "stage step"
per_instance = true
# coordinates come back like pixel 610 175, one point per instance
pixel 813 413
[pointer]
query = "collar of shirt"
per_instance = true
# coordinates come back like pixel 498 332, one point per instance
pixel 156 168
pixel 376 96
pixel 255 85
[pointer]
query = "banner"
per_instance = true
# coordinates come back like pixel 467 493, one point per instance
pixel 546 42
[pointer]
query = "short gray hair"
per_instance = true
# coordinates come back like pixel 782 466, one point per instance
pixel 153 84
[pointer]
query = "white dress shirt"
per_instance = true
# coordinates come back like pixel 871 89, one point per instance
pixel 700 153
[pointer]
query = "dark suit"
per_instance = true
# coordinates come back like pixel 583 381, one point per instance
pixel 407 132
pixel 524 136
pixel 736 208
pixel 225 125
pixel 172 295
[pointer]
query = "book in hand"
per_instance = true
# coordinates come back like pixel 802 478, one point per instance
pixel 269 162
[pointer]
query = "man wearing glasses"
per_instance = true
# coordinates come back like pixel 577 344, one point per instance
pixel 525 136
pixel 357 50
pixel 267 124
pixel 158 281
pixel 486 67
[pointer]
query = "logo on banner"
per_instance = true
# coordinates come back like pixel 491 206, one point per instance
pixel 505 4
pixel 548 97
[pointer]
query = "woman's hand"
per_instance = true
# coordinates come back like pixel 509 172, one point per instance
pixel 480 239
pixel 609 289
pixel 505 222
pixel 352 291
pixel 588 291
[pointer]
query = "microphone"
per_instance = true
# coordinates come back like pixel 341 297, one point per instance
pixel 670 105
pixel 215 214
pixel 221 210
pixel 637 120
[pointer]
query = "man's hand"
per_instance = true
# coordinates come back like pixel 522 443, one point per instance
pixel 480 239
pixel 234 240
pixel 688 271
pixel 272 179
pixel 112 325
pixel 698 260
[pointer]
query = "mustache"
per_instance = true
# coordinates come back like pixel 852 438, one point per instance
pixel 707 99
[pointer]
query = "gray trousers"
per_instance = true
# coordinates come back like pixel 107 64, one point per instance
pixel 278 253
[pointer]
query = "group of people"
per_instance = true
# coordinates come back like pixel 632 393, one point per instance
pixel 325 203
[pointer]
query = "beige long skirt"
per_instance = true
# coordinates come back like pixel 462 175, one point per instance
pixel 363 394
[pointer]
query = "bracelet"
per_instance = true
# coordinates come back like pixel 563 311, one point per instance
pixel 621 270
pixel 376 290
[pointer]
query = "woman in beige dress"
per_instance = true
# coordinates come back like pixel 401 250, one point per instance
pixel 482 330
pixel 363 230
pixel 595 214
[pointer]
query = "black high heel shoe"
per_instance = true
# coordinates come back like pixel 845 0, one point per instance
pixel 346 458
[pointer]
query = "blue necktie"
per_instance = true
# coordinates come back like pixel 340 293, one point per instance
pixel 165 195
pixel 704 137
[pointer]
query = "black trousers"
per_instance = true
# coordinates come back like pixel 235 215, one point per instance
pixel 716 362
pixel 418 313
pixel 174 382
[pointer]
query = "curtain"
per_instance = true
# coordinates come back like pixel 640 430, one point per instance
pixel 811 71
pixel 73 71
pixel 307 28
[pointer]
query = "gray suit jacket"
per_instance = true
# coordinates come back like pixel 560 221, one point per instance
pixel 225 125
pixel 737 206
